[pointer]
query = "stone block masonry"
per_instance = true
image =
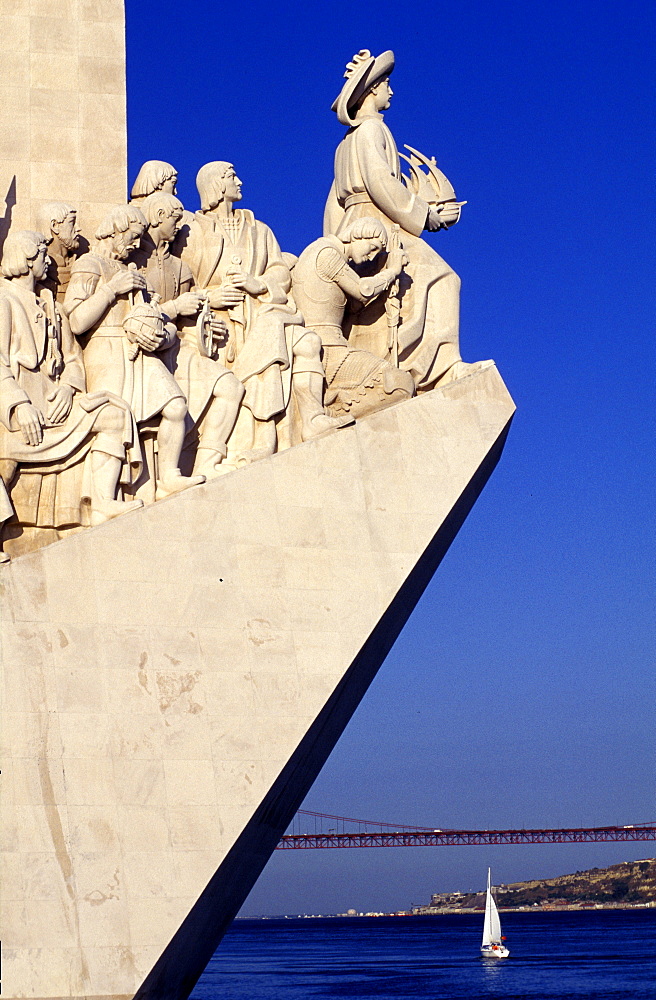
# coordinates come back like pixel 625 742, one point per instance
pixel 62 109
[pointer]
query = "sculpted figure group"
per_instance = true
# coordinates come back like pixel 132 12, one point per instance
pixel 179 346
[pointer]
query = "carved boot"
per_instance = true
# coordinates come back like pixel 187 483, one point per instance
pixel 208 463
pixel 175 482
pixel 308 390
pixel 104 509
pixel 105 468
pixel 360 383
pixel 321 423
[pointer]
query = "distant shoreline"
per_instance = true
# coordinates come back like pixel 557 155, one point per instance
pixel 434 912
pixel 549 908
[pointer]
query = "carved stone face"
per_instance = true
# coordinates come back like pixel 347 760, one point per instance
pixel 383 94
pixel 125 242
pixel 231 186
pixel 169 227
pixel 68 232
pixel 169 186
pixel 361 250
pixel 39 266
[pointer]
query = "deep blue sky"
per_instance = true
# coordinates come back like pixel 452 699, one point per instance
pixel 521 693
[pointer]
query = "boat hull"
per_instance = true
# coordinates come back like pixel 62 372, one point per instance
pixel 498 952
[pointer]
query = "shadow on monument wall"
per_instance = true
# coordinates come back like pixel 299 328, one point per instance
pixel 10 204
pixel 183 961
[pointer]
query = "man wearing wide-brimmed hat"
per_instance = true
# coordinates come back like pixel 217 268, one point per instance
pixel 368 182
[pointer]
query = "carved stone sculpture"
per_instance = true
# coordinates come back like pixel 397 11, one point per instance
pixel 154 175
pixel 48 422
pixel 173 681
pixel 58 222
pixel 213 393
pixel 98 302
pixel 323 281
pixel 237 260
pixel 368 182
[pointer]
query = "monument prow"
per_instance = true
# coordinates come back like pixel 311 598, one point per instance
pixel 204 558
pixel 177 678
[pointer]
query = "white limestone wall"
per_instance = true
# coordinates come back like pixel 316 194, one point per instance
pixel 159 672
pixel 62 108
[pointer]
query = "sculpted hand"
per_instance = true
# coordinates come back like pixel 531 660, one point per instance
pixel 189 303
pixel 219 327
pixel 396 259
pixel 125 282
pixel 248 282
pixel 225 297
pixel 443 216
pixel 62 401
pixel 31 423
pixel 149 339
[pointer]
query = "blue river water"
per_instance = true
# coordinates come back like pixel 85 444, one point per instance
pixel 599 955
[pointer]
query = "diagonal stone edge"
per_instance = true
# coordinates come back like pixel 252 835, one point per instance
pixel 183 961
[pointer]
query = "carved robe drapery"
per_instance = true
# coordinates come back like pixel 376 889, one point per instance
pixel 58 275
pixel 368 183
pixel 38 354
pixel 264 329
pixel 145 383
pixel 170 277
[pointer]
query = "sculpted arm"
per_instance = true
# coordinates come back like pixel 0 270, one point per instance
pixel 72 378
pixel 87 300
pixel 16 409
pixel 332 266
pixel 73 374
pixel 365 289
pixel 11 393
pixel 85 303
pixel 188 302
pixel 387 191
pixel 277 277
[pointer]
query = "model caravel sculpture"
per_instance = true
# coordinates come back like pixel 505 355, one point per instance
pixel 215 653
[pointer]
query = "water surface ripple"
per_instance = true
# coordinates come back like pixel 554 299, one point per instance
pixel 597 955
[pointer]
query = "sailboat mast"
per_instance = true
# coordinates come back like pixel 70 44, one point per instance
pixel 488 902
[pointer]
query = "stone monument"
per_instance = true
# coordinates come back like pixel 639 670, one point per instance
pixel 62 111
pixel 177 668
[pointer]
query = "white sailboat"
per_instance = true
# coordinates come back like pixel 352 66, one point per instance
pixel 492 945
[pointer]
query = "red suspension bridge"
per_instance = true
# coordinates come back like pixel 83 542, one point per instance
pixel 331 832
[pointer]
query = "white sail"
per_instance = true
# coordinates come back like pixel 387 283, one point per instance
pixel 491 924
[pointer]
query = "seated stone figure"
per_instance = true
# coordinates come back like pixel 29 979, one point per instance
pixel 323 282
pixel 213 393
pixel 48 422
pixel 58 223
pixel 125 361
pixel 237 261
